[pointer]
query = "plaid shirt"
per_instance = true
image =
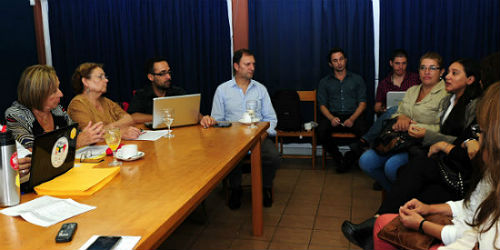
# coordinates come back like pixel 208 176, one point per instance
pixel 386 85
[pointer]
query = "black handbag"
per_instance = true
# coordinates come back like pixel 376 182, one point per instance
pixel 450 175
pixel 390 142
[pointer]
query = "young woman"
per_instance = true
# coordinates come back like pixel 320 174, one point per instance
pixel 420 107
pixel 421 177
pixel 480 209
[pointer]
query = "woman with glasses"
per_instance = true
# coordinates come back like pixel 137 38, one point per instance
pixel 475 218
pixel 37 111
pixel 419 108
pixel 422 178
pixel 90 83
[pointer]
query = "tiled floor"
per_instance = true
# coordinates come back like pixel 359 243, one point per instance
pixel 309 207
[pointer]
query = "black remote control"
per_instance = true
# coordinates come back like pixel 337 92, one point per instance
pixel 66 232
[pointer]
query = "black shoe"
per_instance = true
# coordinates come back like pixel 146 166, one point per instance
pixel 351 158
pixel 359 234
pixel 267 197
pixel 235 198
pixel 377 187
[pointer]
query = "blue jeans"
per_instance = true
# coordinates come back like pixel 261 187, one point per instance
pixel 383 169
pixel 377 126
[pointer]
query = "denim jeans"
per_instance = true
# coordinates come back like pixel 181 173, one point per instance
pixel 377 126
pixel 383 169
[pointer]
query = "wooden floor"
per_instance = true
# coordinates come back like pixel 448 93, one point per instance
pixel 309 207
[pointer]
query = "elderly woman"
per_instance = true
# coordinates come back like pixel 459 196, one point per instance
pixel 420 108
pixel 90 83
pixel 37 111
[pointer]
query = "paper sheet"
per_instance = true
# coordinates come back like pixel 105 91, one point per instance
pixel 151 135
pixel 125 243
pixel 47 211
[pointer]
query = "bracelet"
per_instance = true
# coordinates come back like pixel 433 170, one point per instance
pixel 465 142
pixel 420 228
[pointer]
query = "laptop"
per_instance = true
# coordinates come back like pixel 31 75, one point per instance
pixel 394 98
pixel 53 155
pixel 186 108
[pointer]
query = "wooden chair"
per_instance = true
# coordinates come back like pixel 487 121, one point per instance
pixel 335 135
pixel 305 96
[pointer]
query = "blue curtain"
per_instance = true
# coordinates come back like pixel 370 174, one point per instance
pixel 193 35
pixel 453 28
pixel 291 40
pixel 17 47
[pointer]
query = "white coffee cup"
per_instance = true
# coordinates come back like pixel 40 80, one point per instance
pixel 246 117
pixel 307 126
pixel 128 150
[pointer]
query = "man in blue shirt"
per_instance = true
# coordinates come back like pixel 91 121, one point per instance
pixel 229 104
pixel 342 100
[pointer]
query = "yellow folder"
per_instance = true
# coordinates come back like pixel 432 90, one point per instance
pixel 78 182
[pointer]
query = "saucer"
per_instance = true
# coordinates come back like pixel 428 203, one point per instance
pixel 247 122
pixel 131 158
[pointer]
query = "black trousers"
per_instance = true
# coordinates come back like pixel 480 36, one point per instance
pixel 420 179
pixel 270 163
pixel 325 129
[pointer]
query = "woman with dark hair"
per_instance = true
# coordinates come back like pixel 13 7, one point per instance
pixel 421 178
pixel 90 83
pixel 477 217
pixel 419 108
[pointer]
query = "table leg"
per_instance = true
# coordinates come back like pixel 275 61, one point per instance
pixel 256 163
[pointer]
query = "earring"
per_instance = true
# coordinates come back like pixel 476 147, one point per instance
pixel 87 90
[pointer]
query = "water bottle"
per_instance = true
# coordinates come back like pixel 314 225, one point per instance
pixel 10 193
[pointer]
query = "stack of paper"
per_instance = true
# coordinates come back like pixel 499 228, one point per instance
pixel 46 211
pixel 77 182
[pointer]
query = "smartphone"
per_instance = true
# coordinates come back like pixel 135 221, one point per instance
pixel 104 243
pixel 223 124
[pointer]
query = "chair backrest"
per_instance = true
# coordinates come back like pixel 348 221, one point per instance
pixel 309 96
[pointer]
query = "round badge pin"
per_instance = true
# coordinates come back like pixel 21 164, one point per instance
pixel 59 152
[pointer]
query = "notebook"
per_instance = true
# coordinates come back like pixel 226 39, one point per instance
pixel 394 98
pixel 186 108
pixel 53 155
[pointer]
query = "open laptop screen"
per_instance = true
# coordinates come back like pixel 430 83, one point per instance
pixel 186 107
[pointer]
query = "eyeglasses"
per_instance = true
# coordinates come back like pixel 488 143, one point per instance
pixel 162 73
pixel 102 77
pixel 431 68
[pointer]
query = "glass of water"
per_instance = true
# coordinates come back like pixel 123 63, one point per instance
pixel 251 106
pixel 168 118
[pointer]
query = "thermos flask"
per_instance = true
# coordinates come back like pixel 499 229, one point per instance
pixel 9 175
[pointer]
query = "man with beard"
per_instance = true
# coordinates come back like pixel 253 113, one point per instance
pixel 342 100
pixel 160 75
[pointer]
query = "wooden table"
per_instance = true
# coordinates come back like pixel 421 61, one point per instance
pixel 152 196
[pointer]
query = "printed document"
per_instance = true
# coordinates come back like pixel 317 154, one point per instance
pixel 47 211
pixel 151 135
